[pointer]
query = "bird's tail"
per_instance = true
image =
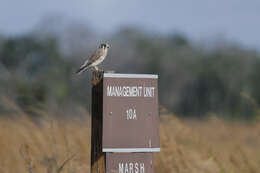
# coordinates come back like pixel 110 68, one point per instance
pixel 82 69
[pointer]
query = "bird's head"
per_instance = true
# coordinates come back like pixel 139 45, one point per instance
pixel 104 46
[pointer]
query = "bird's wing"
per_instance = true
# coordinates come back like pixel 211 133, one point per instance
pixel 95 56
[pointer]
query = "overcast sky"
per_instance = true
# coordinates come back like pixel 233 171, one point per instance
pixel 237 20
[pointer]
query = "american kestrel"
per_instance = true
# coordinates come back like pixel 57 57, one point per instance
pixel 97 57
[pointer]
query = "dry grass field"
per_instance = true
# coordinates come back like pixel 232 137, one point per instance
pixel 187 146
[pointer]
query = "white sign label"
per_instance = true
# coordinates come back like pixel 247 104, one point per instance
pixel 130 91
pixel 131 168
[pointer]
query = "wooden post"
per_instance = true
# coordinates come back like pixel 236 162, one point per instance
pixel 97 156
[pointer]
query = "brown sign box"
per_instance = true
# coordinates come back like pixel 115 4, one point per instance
pixel 129 163
pixel 130 113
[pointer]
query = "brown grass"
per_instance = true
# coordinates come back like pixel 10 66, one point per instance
pixel 187 146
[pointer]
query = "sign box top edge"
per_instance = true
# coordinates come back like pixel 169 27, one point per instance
pixel 121 75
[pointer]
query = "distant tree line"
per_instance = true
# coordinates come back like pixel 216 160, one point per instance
pixel 38 71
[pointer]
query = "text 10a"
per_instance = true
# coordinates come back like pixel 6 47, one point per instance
pixel 131 114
